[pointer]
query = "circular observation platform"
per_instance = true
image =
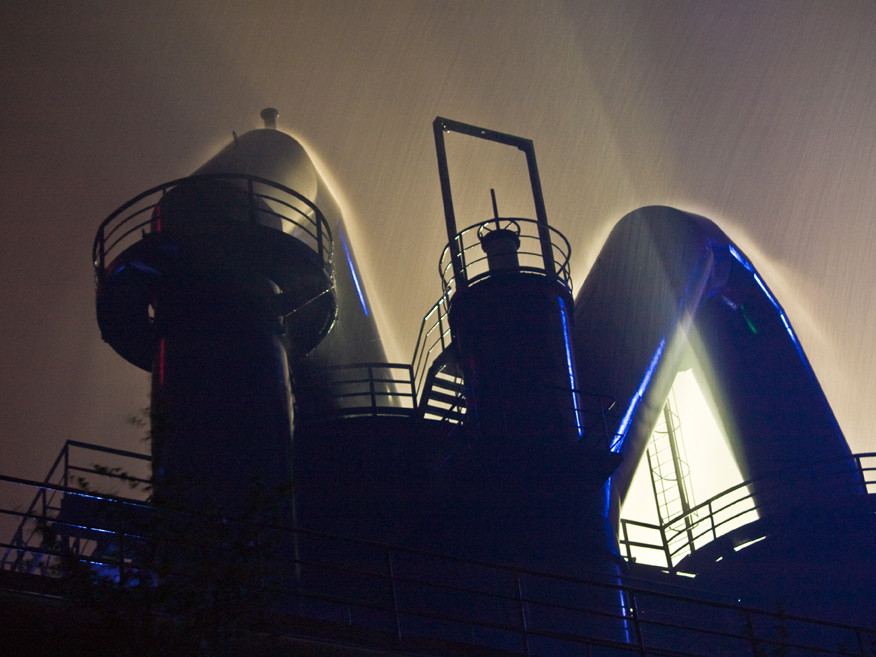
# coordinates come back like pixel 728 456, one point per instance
pixel 504 246
pixel 211 231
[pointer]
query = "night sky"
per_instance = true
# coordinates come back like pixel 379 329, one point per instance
pixel 759 115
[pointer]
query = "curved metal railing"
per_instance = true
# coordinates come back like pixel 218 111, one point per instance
pixel 73 470
pixel 371 389
pixel 381 389
pixel 727 511
pixel 401 597
pixel 531 254
pixel 433 340
pixel 261 201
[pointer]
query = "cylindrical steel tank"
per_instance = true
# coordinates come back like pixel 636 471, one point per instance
pixel 511 333
pixel 511 320
pixel 273 155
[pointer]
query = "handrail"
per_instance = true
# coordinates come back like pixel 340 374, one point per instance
pixel 433 339
pixel 482 604
pixel 434 342
pixel 449 406
pixel 706 519
pixel 60 480
pixel 372 389
pixel 536 240
pixel 261 202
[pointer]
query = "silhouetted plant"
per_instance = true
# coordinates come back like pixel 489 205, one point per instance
pixel 193 578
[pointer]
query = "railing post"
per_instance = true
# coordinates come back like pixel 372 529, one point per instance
pixel 463 265
pixel 371 390
pixel 318 220
pixel 101 258
pixel 391 575
pixel 122 530
pixel 637 626
pixel 749 629
pixel 251 193
pixel 414 401
pixel 521 609
pixel 667 552
pixel 66 452
pixel 441 325
pixel 626 539
pixel 712 522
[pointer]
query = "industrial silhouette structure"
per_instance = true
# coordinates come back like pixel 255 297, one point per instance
pixel 466 502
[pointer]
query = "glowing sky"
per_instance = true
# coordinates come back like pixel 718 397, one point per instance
pixel 759 115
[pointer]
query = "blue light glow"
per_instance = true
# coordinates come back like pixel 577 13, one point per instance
pixel 146 269
pixel 353 272
pixel 626 614
pixel 637 398
pixel 757 279
pixel 572 380
pixel 782 316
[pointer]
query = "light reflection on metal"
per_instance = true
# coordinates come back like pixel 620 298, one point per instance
pixel 572 378
pixel 757 279
pixel 782 317
pixel 617 443
pixel 355 275
pixel 748 543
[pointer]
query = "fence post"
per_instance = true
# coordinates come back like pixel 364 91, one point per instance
pixel 667 552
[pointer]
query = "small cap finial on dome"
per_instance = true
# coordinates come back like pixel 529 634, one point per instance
pixel 269 116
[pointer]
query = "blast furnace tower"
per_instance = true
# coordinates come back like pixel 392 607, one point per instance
pixel 217 283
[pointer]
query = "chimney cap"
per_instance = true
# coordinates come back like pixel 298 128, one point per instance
pixel 269 116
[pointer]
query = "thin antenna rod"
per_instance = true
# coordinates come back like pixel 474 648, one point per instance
pixel 495 207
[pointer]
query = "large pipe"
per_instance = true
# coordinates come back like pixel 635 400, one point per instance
pixel 667 281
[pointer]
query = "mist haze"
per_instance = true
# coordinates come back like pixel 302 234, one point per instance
pixel 758 115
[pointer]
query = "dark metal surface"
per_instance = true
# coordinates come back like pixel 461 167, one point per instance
pixel 392 598
pixel 668 283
